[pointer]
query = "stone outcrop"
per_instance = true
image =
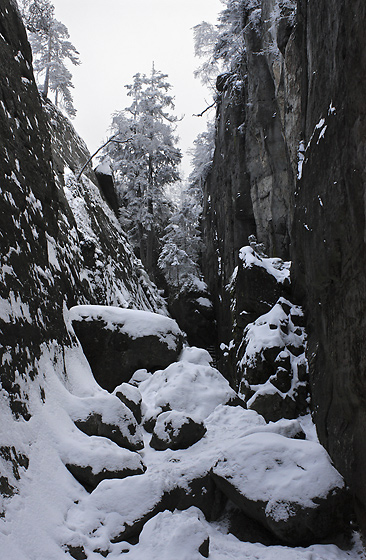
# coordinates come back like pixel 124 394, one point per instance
pixel 59 246
pixel 329 229
pixel 289 167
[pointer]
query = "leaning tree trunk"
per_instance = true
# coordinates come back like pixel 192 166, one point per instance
pixel 47 76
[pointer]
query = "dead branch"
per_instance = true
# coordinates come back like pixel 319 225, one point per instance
pixel 112 139
pixel 203 112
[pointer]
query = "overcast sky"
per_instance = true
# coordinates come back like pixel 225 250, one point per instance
pixel 119 38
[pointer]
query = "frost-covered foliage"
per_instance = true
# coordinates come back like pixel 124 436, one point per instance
pixel 202 154
pixel 51 48
pixel 181 243
pixel 145 160
pixel 222 45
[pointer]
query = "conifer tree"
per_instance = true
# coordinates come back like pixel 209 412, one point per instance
pixel 51 48
pixel 221 46
pixel 181 252
pixel 145 162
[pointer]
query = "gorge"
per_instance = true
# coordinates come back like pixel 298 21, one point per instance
pixel 163 462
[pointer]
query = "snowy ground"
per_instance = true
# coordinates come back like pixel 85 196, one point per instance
pixel 51 509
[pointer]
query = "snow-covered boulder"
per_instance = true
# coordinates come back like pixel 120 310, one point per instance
pixel 288 485
pixel 117 510
pixel 130 396
pixel 117 341
pixel 91 459
pixel 179 535
pixel 105 415
pixel 195 389
pixel 176 430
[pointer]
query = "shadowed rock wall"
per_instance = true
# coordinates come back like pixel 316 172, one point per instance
pixel 60 243
pixel 250 187
pixel 329 251
pixel 297 151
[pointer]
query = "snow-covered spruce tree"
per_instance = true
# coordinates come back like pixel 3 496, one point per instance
pixel 180 255
pixel 202 154
pixel 145 161
pixel 182 244
pixel 51 48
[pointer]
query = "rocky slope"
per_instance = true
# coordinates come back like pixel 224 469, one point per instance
pixel 60 242
pixel 289 167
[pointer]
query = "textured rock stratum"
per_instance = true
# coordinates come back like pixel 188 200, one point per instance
pixel 60 243
pixel 329 229
pixel 289 167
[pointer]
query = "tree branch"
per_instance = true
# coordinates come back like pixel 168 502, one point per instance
pixel 204 111
pixel 112 139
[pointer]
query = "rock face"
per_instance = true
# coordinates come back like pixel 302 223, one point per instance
pixel 329 230
pixel 194 313
pixel 59 246
pixel 289 167
pixel 250 188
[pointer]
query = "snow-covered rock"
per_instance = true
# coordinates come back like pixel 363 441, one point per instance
pixel 130 396
pixel 272 363
pixel 105 415
pixel 175 430
pixel 190 388
pixel 288 485
pixel 92 459
pixel 196 356
pixel 180 535
pixel 119 341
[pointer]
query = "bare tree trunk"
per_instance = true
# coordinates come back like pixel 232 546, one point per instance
pixel 47 76
pixel 150 232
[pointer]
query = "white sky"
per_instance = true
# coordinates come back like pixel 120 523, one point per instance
pixel 118 38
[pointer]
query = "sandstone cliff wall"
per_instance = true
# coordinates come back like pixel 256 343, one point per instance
pixel 291 146
pixel 329 229
pixel 60 243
